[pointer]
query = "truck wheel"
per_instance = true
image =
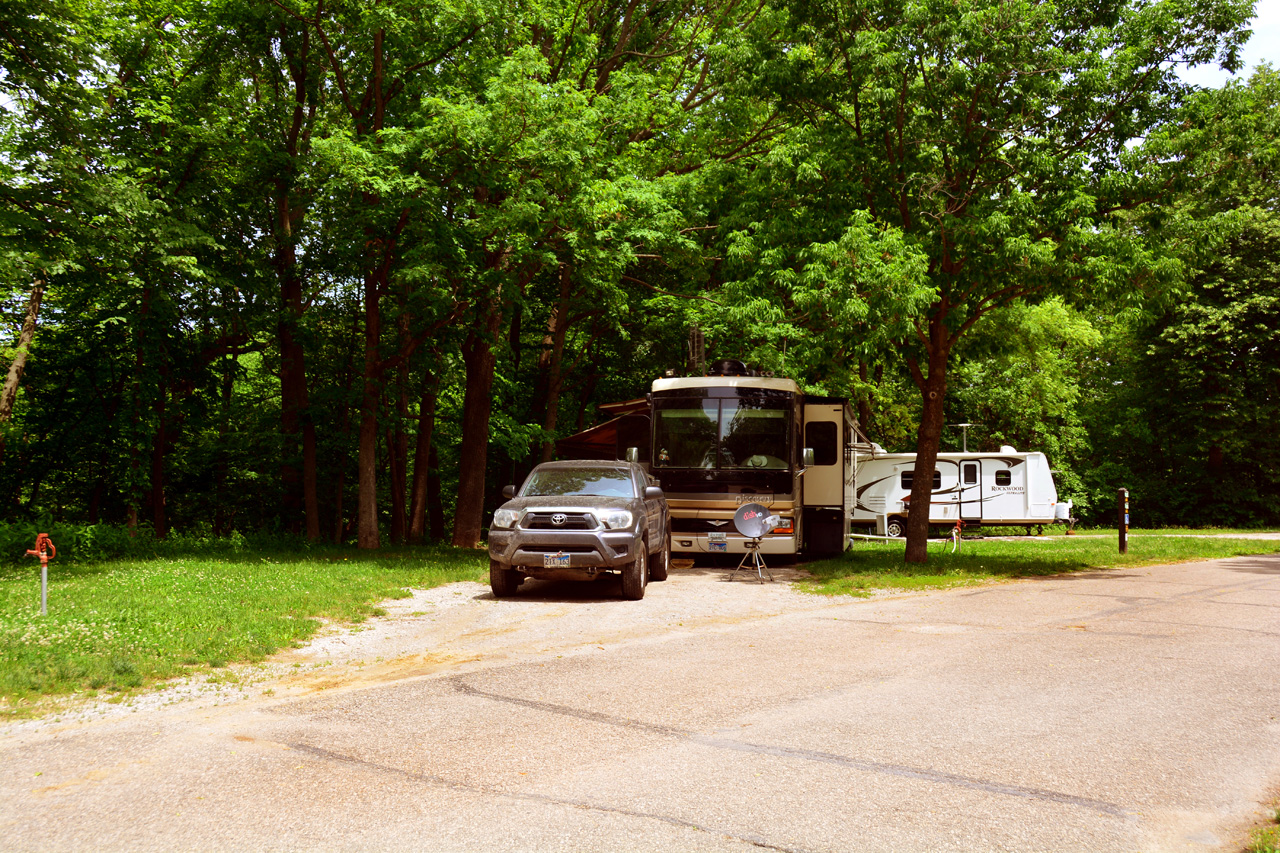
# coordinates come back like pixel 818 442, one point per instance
pixel 896 527
pixel 502 581
pixel 661 560
pixel 635 575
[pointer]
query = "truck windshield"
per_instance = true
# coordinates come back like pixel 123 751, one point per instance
pixel 600 482
pixel 719 433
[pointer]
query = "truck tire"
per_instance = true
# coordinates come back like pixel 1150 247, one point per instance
pixel 896 527
pixel 661 562
pixel 502 581
pixel 635 575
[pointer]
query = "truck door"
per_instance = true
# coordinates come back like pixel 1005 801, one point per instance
pixel 971 490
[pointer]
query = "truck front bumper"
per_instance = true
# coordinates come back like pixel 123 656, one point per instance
pixel 589 552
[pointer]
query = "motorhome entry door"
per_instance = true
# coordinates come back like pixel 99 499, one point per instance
pixel 971 490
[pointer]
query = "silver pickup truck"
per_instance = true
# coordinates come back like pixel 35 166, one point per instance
pixel 576 520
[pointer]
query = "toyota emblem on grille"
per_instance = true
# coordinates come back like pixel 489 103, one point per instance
pixel 559 518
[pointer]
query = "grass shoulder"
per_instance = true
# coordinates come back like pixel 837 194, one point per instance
pixel 1266 839
pixel 121 625
pixel 871 565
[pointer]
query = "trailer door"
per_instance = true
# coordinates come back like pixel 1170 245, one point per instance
pixel 971 490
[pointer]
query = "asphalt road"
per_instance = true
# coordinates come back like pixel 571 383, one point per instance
pixel 1128 710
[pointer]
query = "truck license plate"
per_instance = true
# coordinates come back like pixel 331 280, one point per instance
pixel 555 561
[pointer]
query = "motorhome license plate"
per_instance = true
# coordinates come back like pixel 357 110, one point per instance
pixel 718 546
pixel 555 561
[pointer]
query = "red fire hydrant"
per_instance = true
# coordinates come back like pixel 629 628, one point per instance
pixel 45 551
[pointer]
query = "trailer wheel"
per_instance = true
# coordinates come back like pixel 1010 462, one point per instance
pixel 896 527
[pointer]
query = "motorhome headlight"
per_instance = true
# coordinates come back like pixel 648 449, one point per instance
pixel 615 519
pixel 784 526
pixel 505 518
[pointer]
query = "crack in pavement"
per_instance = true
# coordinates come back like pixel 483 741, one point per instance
pixel 454 785
pixel 864 765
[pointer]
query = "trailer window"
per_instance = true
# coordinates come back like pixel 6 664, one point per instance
pixel 1003 478
pixel 970 474
pixel 823 437
pixel 908 477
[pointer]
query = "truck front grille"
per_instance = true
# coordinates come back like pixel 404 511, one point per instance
pixel 546 521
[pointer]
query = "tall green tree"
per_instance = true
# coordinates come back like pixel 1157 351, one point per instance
pixel 1183 404
pixel 993 136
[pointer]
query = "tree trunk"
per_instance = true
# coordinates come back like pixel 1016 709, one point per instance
pixel 348 379
pixel 435 503
pixel 933 390
pixel 134 485
pixel 221 517
pixel 310 478
pixel 422 460
pixel 293 395
pixel 19 364
pixel 158 519
pixel 298 486
pixel 479 358
pixel 367 536
pixel 339 485
pixel 550 361
pixel 398 443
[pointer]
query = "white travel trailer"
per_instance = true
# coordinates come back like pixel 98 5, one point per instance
pixel 1005 488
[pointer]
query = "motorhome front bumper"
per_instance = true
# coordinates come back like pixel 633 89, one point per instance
pixel 730 543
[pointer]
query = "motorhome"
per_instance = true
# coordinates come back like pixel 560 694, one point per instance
pixel 1006 488
pixel 732 437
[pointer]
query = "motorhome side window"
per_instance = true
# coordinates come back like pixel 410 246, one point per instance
pixel 1003 478
pixel 908 477
pixel 823 437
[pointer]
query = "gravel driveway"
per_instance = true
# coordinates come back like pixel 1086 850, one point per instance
pixel 1121 710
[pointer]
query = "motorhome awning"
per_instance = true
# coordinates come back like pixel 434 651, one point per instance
pixel 608 440
pixel 626 407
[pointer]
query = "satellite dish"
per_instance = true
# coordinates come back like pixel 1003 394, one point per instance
pixel 754 520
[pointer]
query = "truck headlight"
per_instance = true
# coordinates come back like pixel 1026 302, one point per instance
pixel 615 519
pixel 505 518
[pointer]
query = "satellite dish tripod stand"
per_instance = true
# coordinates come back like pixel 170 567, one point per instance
pixel 754 521
pixel 757 561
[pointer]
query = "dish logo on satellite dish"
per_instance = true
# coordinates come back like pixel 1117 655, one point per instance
pixel 754 520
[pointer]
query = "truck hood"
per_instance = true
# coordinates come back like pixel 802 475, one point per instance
pixel 569 503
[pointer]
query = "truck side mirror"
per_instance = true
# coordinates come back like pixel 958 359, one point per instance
pixel 653 492
pixel 807 457
pixel 633 454
pixel 508 492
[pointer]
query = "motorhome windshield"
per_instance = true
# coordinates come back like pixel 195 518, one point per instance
pixel 720 433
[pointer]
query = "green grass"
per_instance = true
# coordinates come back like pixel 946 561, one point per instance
pixel 872 565
pixel 1266 839
pixel 1059 530
pixel 124 624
